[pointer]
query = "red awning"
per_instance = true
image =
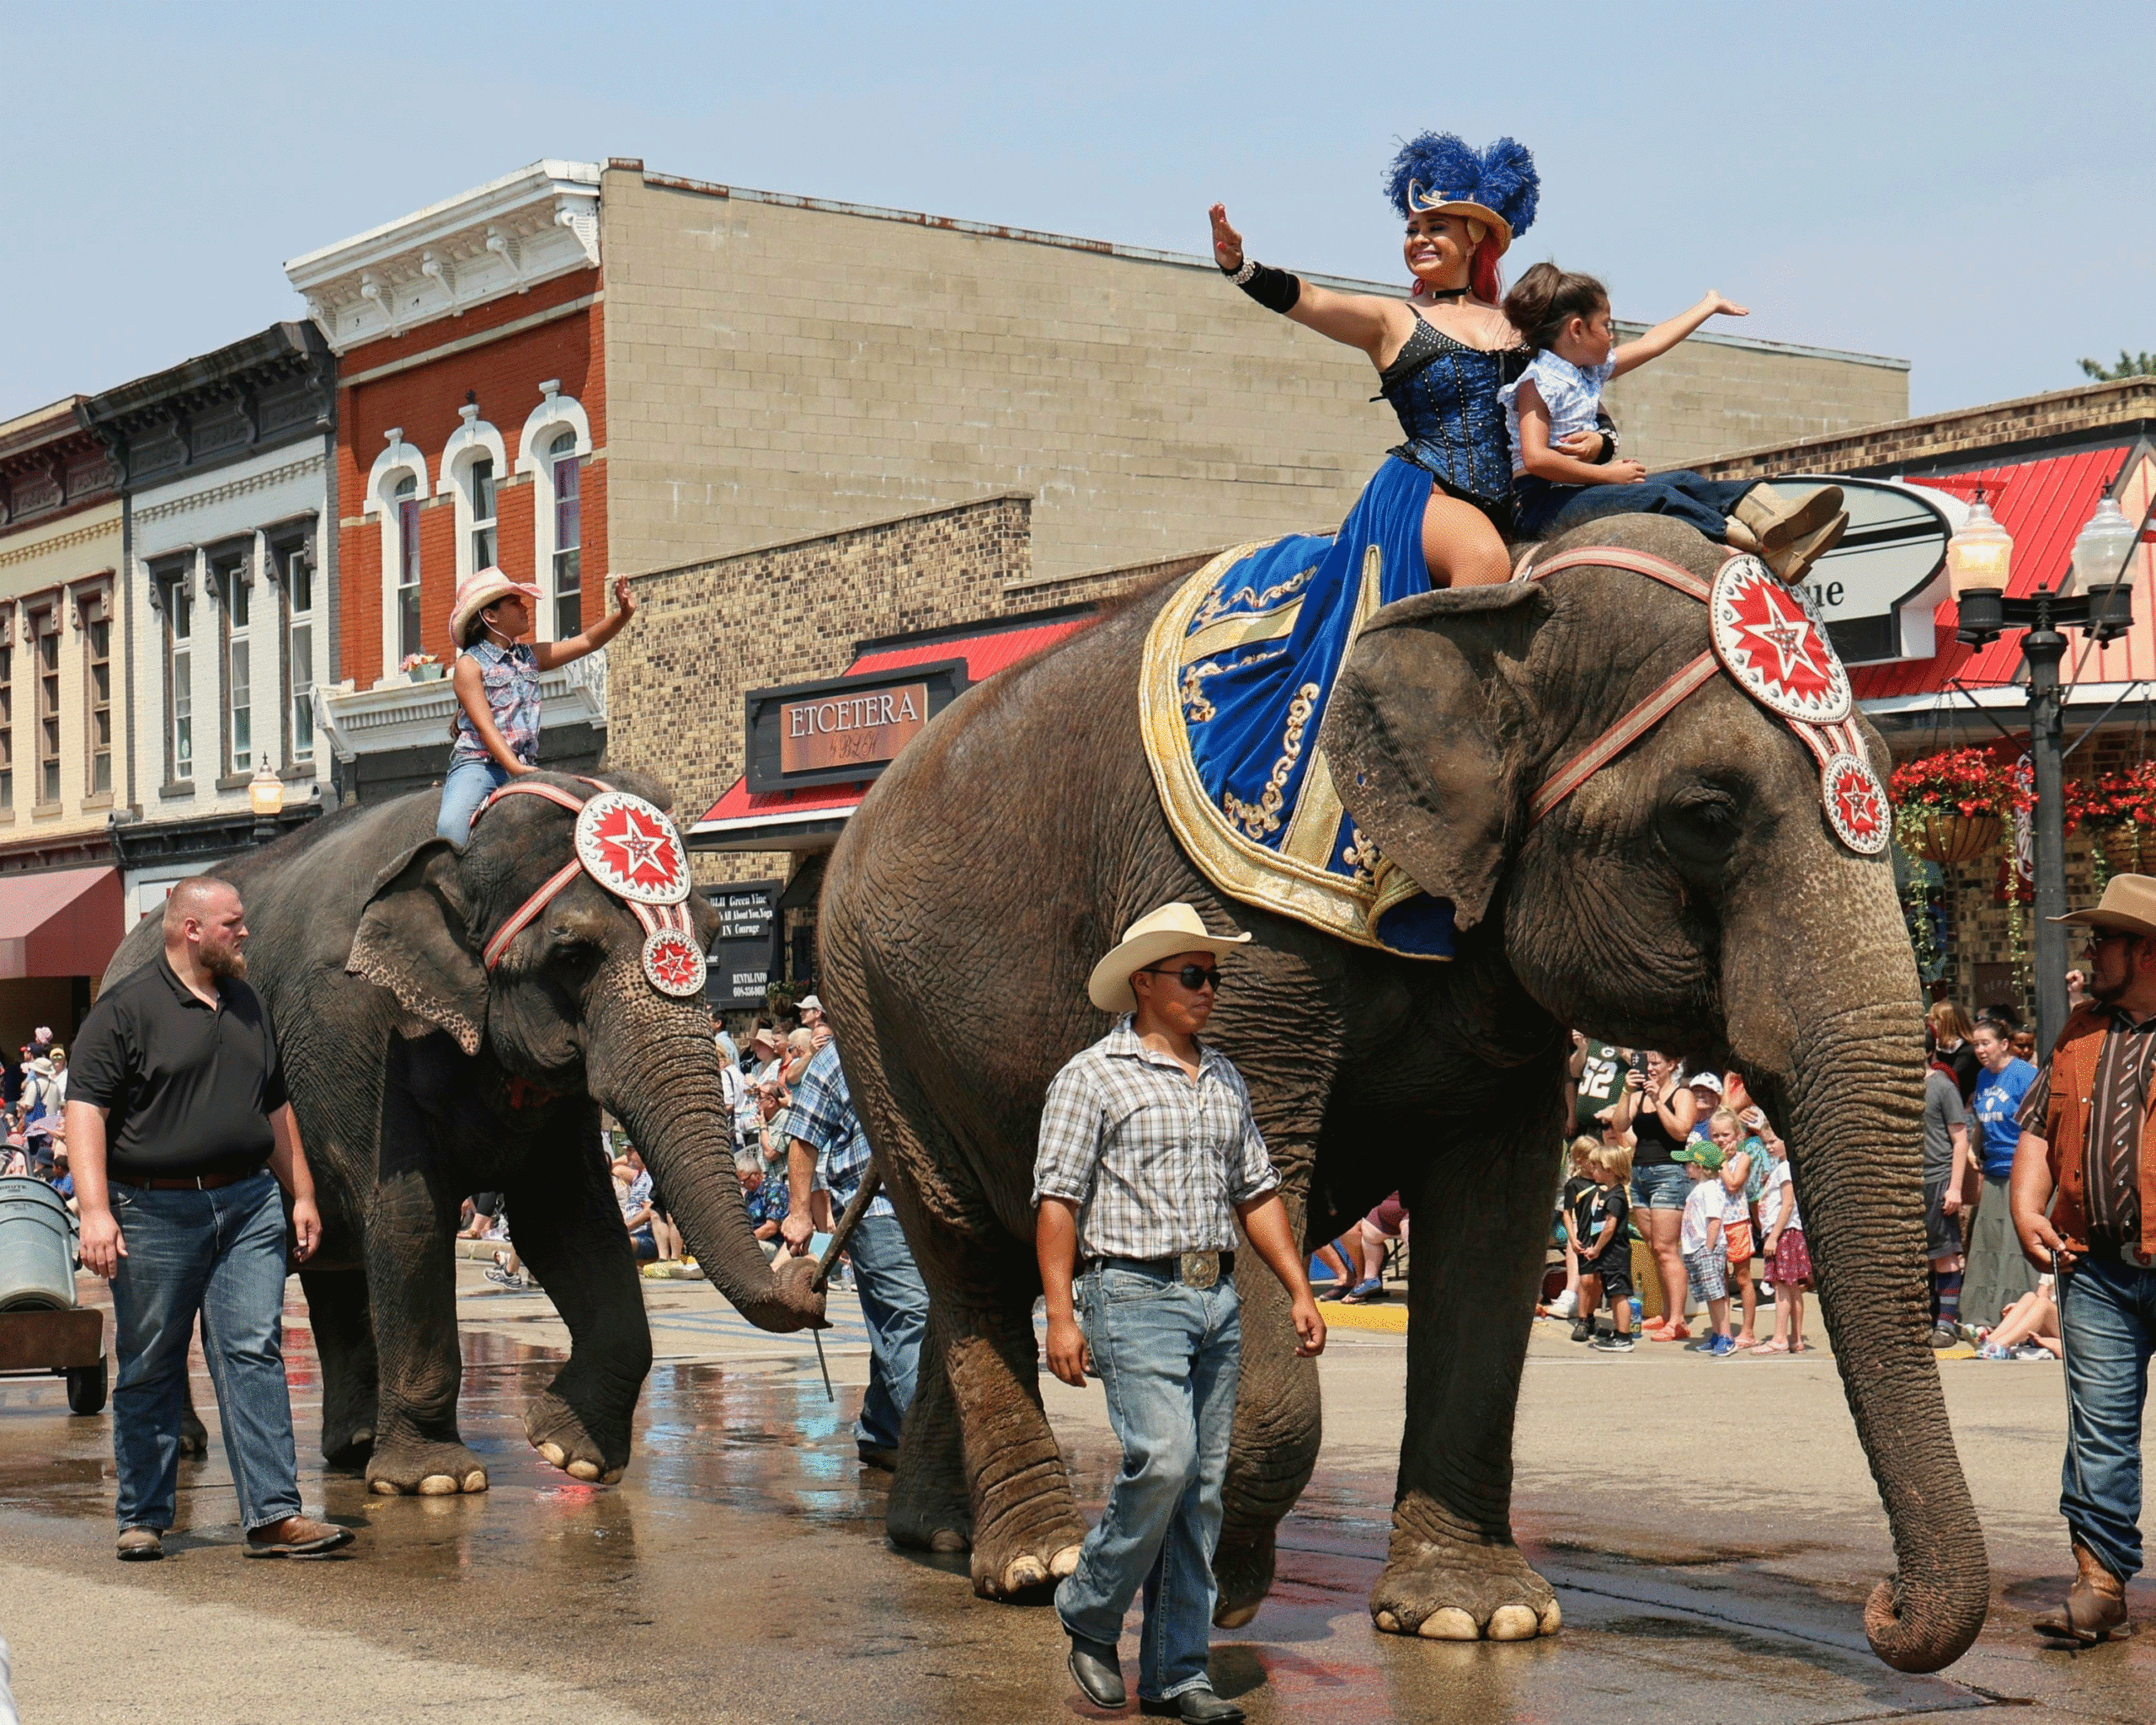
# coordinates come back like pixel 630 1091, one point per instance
pixel 63 923
pixel 2043 505
pixel 809 819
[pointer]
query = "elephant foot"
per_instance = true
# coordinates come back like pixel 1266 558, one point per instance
pixel 1462 1593
pixel 425 1470
pixel 918 1521
pixel 194 1435
pixel 1243 1574
pixel 351 1450
pixel 559 1433
pixel 1019 1558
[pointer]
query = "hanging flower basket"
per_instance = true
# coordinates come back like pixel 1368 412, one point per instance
pixel 1937 835
pixel 2129 849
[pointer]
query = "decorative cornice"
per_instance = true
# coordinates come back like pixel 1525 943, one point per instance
pixel 503 238
pixel 145 513
pixel 12 554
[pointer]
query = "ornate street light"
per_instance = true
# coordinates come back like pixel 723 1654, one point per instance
pixel 265 796
pixel 1977 559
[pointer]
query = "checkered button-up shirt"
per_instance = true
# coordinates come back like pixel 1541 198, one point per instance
pixel 823 1117
pixel 2111 1157
pixel 1155 1164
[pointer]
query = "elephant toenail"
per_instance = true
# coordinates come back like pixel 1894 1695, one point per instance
pixel 1388 1623
pixel 1450 1624
pixel 613 1476
pixel 386 1487
pixel 945 1539
pixel 554 1453
pixel 476 1481
pixel 582 1469
pixel 1552 1619
pixel 1235 1617
pixel 437 1485
pixel 1024 1572
pixel 1513 1623
pixel 1064 1561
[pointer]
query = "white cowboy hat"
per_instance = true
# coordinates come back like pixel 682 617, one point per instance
pixel 1157 935
pixel 2129 905
pixel 475 593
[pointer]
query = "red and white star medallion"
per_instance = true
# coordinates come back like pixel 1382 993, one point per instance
pixel 672 963
pixel 1856 804
pixel 631 849
pixel 1767 640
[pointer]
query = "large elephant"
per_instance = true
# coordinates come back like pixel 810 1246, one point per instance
pixel 418 1074
pixel 1689 896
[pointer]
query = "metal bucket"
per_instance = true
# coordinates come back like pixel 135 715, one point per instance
pixel 37 1247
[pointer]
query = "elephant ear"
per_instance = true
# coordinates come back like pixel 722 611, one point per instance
pixel 1424 735
pixel 413 941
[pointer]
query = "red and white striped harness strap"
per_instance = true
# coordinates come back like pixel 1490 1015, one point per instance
pixel 652 917
pixel 1657 706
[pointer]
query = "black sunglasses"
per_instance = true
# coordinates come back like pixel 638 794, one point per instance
pixel 1192 977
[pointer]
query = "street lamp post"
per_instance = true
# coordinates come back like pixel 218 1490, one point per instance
pixel 266 797
pixel 1977 569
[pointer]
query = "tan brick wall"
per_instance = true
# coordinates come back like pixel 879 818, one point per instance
pixel 776 370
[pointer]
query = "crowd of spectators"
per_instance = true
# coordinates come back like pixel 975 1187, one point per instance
pixel 33 1107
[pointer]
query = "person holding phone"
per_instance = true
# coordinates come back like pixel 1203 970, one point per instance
pixel 1658 1108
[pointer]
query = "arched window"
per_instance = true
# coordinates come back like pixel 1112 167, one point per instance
pixel 397 490
pixel 555 444
pixel 473 462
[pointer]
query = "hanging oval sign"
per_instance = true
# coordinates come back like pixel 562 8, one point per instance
pixel 1766 639
pixel 1856 803
pixel 630 848
pixel 672 963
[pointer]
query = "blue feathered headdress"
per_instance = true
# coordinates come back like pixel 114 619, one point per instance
pixel 1438 170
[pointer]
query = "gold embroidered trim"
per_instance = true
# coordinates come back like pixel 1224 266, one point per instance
pixel 1361 856
pixel 1216 606
pixel 1262 817
pixel 1196 708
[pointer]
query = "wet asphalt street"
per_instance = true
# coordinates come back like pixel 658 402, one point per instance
pixel 1710 1526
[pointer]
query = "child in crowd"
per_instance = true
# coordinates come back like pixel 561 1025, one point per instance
pixel 1700 1238
pixel 1565 317
pixel 1577 1184
pixel 1784 1251
pixel 1743 1160
pixel 1606 1245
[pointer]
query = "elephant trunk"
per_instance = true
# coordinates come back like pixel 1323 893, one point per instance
pixel 659 1076
pixel 1851 1101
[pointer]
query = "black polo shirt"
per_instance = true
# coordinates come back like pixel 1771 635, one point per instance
pixel 190 1091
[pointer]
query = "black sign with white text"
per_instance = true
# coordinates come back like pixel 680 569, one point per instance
pixel 745 957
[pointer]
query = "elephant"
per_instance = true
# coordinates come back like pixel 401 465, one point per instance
pixel 1689 896
pixel 418 1073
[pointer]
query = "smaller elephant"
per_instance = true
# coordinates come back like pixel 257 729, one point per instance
pixel 451 1019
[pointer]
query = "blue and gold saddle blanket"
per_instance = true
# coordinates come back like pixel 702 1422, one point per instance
pixel 1238 668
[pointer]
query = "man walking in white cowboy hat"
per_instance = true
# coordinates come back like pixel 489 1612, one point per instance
pixel 2089 1139
pixel 1148 1153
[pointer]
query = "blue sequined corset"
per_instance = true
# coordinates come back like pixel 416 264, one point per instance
pixel 1446 395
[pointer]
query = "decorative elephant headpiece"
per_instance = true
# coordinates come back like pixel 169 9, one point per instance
pixel 417 936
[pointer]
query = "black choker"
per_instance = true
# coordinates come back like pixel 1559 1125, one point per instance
pixel 1422 291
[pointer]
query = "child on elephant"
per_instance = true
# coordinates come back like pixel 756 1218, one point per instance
pixel 1565 319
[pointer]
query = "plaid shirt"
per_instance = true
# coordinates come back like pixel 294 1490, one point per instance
pixel 1155 1164
pixel 823 1117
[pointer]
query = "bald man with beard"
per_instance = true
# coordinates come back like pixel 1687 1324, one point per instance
pixel 182 1135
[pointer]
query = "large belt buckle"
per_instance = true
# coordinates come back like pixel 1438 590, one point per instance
pixel 1199 1269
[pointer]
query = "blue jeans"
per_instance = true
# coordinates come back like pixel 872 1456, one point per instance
pixel 468 785
pixel 2107 1320
pixel 222 1253
pixel 1167 1356
pixel 1665 1185
pixel 894 1306
pixel 1542 509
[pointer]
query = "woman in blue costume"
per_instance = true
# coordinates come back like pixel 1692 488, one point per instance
pixel 1441 354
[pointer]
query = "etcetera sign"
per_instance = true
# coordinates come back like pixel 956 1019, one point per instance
pixel 845 729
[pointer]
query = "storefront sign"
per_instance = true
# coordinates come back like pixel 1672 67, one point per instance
pixel 745 957
pixel 1876 592
pixel 843 729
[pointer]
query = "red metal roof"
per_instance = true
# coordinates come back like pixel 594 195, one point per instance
pixel 2043 505
pixel 985 652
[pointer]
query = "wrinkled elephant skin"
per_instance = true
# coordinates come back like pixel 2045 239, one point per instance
pixel 1688 897
pixel 418 1076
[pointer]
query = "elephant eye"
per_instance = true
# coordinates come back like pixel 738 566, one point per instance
pixel 1701 825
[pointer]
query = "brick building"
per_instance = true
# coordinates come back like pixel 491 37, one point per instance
pixel 227 588
pixel 64 663
pixel 2044 463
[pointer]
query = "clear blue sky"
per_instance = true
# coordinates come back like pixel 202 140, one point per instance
pixel 1969 187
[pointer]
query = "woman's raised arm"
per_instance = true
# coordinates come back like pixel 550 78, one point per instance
pixel 1376 325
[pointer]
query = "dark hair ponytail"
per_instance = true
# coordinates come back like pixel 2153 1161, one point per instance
pixel 1547 297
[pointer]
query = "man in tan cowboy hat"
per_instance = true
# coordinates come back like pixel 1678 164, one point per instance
pixel 1148 1153
pixel 2083 1200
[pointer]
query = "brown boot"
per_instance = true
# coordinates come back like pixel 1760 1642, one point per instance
pixel 296 1537
pixel 1794 561
pixel 2095 1609
pixel 1776 521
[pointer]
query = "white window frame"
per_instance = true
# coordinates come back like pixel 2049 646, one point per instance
pixel 556 413
pixel 472 442
pixel 298 669
pixel 177 666
pixel 235 640
pixel 399 461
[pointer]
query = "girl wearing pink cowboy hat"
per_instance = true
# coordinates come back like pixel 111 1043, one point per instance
pixel 495 736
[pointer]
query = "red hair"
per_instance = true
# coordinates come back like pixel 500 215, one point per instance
pixel 1482 274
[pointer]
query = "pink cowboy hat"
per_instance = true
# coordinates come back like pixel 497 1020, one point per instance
pixel 475 593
